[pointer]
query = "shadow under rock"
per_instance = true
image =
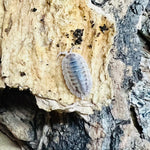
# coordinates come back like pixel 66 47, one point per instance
pixel 33 128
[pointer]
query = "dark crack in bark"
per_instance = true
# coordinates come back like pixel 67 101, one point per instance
pixel 135 121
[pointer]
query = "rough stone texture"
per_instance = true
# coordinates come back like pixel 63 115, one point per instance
pixel 144 25
pixel 140 95
pixel 115 7
pixel 24 114
pixel 2 85
pixel 6 143
pixel 1 21
pixel 37 128
pixel 123 125
pixel 61 131
pixel 33 33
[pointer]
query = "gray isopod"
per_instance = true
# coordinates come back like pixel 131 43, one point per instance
pixel 76 74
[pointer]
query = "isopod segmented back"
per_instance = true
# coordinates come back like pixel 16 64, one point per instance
pixel 77 75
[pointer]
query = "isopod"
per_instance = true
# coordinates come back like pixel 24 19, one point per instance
pixel 76 74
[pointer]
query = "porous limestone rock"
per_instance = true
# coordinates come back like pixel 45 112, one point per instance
pixel 34 33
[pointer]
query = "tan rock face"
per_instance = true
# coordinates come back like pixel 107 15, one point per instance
pixel 34 34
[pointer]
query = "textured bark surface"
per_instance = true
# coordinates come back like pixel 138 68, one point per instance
pixel 123 125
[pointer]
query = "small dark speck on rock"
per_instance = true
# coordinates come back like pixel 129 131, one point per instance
pixel 67 35
pixel 90 46
pixel 78 33
pixel 113 100
pixel 48 3
pixel 57 45
pixel 6 30
pixel 22 74
pixel 4 77
pixel 103 28
pixel 72 44
pixel 92 23
pixel 78 41
pixel 33 9
pixel 98 34
pixel 42 20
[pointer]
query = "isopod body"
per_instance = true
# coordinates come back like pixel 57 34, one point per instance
pixel 77 75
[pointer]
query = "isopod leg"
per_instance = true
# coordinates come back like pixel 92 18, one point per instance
pixel 62 53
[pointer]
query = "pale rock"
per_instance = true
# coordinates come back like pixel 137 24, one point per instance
pixel 34 33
